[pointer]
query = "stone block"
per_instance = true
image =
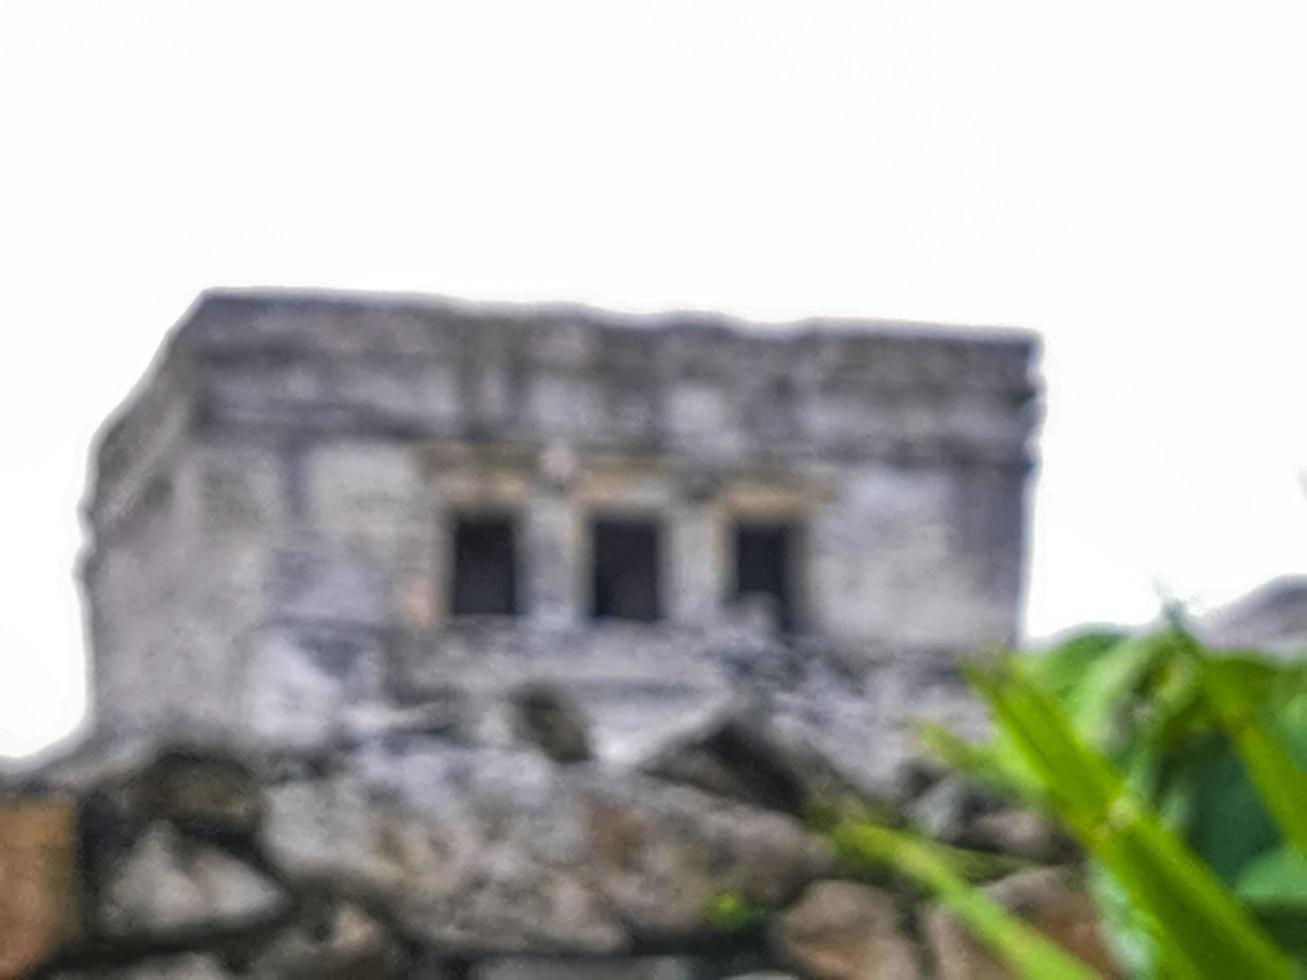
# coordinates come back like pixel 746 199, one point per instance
pixel 1019 833
pixel 483 852
pixel 38 880
pixel 542 968
pixel 840 930
pixel 187 966
pixel 334 942
pixel 166 885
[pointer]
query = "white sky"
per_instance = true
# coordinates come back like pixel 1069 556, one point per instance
pixel 1126 177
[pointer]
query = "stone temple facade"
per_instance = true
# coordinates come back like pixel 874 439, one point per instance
pixel 321 509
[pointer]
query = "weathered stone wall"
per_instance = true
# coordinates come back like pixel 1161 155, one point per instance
pixel 304 766
pixel 271 546
pixel 419 849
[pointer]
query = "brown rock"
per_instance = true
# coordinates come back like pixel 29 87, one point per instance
pixel 38 880
pixel 1051 900
pixel 840 930
pixel 1019 833
pixel 203 793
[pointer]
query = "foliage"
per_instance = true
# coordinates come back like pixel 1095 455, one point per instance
pixel 1181 773
pixel 732 912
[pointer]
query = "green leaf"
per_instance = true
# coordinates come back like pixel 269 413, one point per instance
pixel 1203 930
pixel 1239 689
pixel 1276 878
pixel 993 764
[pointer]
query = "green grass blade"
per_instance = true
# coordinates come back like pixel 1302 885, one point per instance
pixel 1027 952
pixel 989 764
pixel 1200 924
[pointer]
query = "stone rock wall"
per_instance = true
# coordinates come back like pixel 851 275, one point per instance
pixel 411 854
pixel 304 763
pixel 271 512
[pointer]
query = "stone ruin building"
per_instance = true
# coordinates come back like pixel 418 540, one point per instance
pixel 320 503
pixel 448 642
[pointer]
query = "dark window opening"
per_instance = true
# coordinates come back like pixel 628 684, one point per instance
pixel 484 573
pixel 626 556
pixel 765 556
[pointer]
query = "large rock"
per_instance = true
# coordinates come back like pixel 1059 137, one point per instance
pixel 947 810
pixel 662 854
pixel 467 853
pixel 204 793
pixel 506 852
pixel 332 942
pixel 840 930
pixel 1020 834
pixel 1051 900
pixel 636 968
pixel 735 752
pixel 552 721
pixel 167 885
pixel 187 966
pixel 38 880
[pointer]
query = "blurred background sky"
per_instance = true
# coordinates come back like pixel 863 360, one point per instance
pixel 1127 178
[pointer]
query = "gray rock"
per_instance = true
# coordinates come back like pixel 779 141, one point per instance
pixel 460 851
pixel 1019 833
pixel 503 852
pixel 840 930
pixel 190 966
pixel 200 791
pixel 737 753
pixel 332 942
pixel 537 968
pixel 946 810
pixel 661 854
pixel 167 885
pixel 549 719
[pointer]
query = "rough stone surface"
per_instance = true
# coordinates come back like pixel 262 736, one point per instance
pixel 167 885
pixel 947 810
pixel 38 881
pixel 1271 618
pixel 549 719
pixel 1053 901
pixel 1020 834
pixel 333 941
pixel 738 753
pixel 313 448
pixel 506 852
pixel 188 966
pixel 201 792
pixel 533 968
pixel 840 930
pixel 412 856
pixel 309 760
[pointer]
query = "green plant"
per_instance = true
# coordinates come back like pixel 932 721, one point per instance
pixel 731 912
pixel 1180 773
